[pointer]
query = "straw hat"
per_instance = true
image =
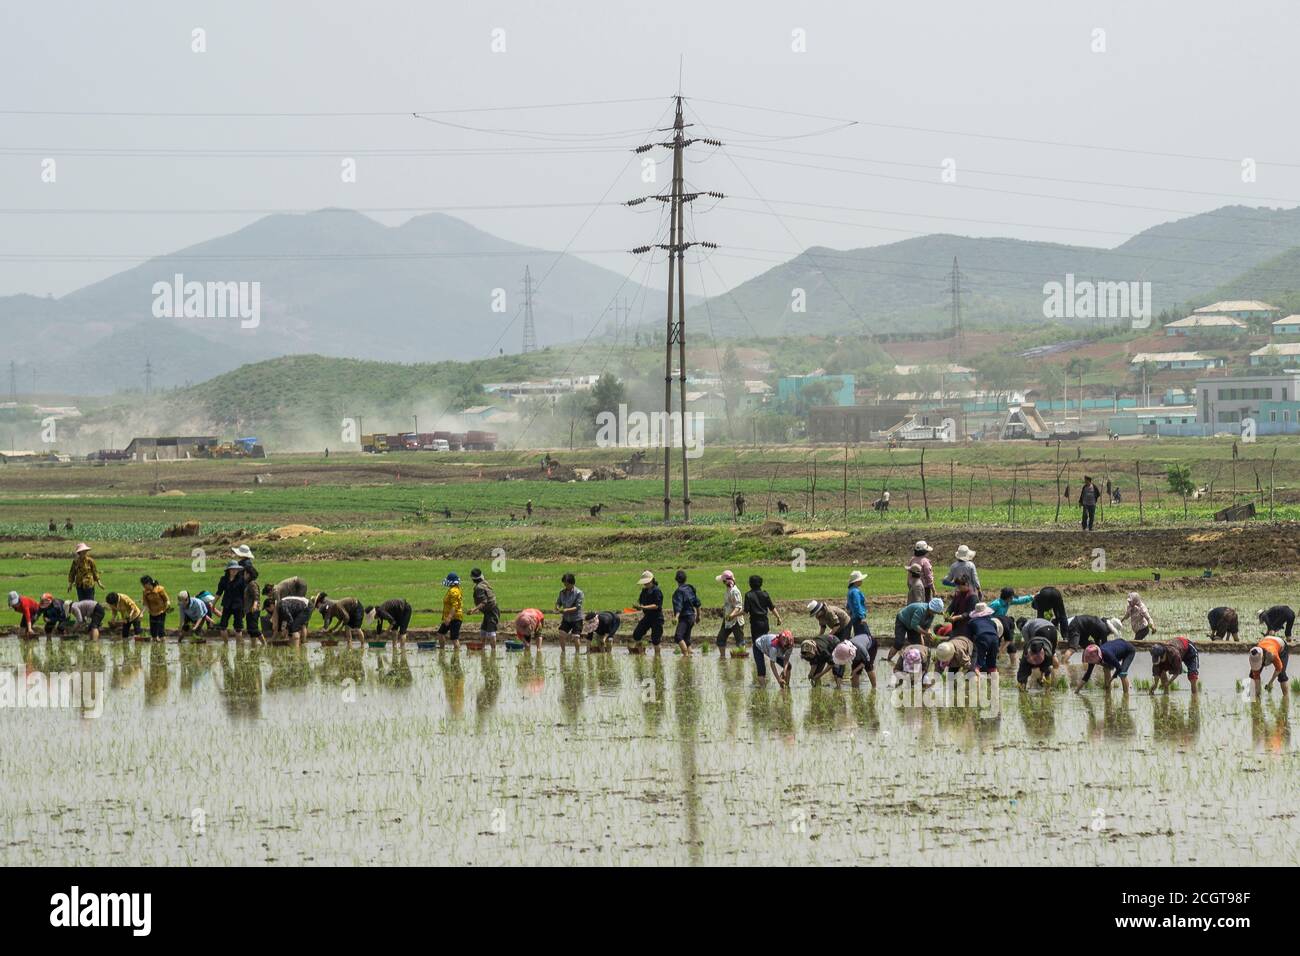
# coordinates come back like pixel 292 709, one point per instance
pixel 921 546
pixel 945 652
pixel 981 610
pixel 243 551
pixel 646 578
pixel 82 547
pixel 964 553
pixel 856 577
pixel 843 653
pixel 815 606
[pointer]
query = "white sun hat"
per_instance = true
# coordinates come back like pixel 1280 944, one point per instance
pixel 964 553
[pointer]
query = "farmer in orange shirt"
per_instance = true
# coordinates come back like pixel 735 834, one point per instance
pixel 1270 650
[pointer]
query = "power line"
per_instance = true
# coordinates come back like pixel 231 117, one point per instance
pixel 1060 144
pixel 323 114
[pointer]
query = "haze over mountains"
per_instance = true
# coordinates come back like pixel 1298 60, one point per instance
pixel 332 282
pixel 338 283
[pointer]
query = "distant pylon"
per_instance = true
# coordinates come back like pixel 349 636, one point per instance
pixel 148 376
pixel 956 344
pixel 530 327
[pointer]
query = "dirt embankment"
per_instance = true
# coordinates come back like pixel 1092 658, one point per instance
pixel 1232 548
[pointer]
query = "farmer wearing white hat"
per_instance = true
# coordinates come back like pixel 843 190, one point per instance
pixel 1271 650
pixel 651 605
pixel 855 602
pixel 832 619
pixel 733 613
pixel 954 655
pixel 964 566
pixel 986 634
pixel 921 556
pixel 244 591
pixel 83 575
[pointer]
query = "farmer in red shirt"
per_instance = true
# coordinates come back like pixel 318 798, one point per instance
pixel 27 609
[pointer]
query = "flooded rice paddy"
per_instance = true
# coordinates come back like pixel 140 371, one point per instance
pixel 215 754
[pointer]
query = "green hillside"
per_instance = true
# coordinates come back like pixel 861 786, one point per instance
pixel 904 286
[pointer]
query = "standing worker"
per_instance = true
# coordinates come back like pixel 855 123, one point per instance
pixel 1138 617
pixel 569 604
pixel 485 603
pixel 686 610
pixel 733 613
pixel 230 595
pixel 964 567
pixel 157 603
pixel 1089 494
pixel 921 556
pixel 650 602
pixel 758 603
pixel 83 575
pixel 855 602
pixel 453 610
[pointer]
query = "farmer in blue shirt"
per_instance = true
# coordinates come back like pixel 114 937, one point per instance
pixel 686 609
pixel 856 604
pixel 1115 658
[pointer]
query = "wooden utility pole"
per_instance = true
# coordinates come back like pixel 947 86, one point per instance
pixel 846 482
pixel 1137 467
pixel 925 499
pixel 1057 467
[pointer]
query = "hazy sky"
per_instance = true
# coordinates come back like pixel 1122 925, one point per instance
pixel 1209 80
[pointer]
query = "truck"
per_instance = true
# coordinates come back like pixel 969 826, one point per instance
pixel 479 441
pixel 375 443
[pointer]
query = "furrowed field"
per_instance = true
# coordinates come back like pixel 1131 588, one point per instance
pixel 226 753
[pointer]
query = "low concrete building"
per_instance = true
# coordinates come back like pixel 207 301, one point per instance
pixel 1287 325
pixel 1148 421
pixel 1206 325
pixel 170 448
pixel 1244 309
pixel 1224 402
pixel 854 423
pixel 1178 361
pixel 1276 353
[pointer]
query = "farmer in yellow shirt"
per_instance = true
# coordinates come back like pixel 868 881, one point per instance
pixel 157 603
pixel 126 611
pixel 452 610
pixel 83 575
